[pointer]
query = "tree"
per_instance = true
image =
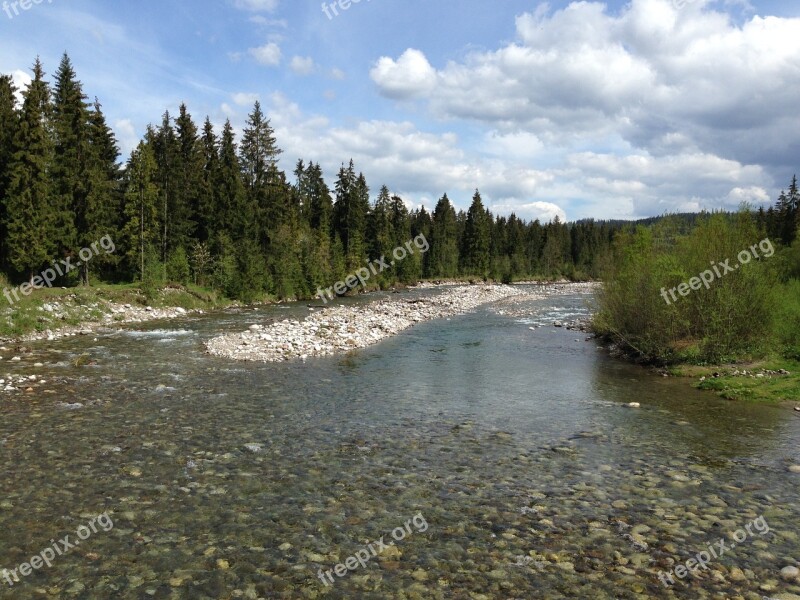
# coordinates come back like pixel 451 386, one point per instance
pixel 189 171
pixel 103 192
pixel 71 161
pixel 140 232
pixel 207 193
pixel 475 243
pixel 9 120
pixel 29 225
pixel 444 255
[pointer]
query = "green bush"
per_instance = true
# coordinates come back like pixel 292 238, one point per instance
pixel 178 270
pixel 731 317
pixel 786 324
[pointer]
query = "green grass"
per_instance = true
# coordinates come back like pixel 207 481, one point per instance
pixel 770 388
pixel 88 304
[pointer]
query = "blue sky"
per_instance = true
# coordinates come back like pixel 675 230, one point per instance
pixel 576 109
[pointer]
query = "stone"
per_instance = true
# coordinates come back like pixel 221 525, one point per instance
pixel 790 573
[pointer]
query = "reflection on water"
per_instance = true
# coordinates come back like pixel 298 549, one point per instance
pixel 243 480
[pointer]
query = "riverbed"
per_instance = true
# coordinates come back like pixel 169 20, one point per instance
pixel 511 438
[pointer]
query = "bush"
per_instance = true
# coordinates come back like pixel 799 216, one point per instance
pixel 786 324
pixel 178 270
pixel 732 316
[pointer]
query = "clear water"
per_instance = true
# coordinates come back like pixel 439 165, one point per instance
pixel 514 444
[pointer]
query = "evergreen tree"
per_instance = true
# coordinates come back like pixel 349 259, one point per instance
pixel 103 196
pixel 207 193
pixel 141 231
pixel 189 182
pixel 475 242
pixel 166 150
pixel 444 252
pixel 231 216
pixel 8 127
pixel 71 160
pixel 29 224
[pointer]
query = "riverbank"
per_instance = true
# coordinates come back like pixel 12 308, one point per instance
pixel 340 329
pixel 51 314
pixel 774 380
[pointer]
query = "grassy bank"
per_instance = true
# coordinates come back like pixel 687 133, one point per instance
pixel 718 302
pixel 56 308
pixel 768 380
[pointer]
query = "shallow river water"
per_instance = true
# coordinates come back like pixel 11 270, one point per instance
pixel 506 456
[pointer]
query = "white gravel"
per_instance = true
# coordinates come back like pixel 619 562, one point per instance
pixel 340 329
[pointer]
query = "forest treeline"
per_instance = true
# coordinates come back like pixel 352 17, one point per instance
pixel 751 310
pixel 196 205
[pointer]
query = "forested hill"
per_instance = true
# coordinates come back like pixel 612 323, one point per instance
pixel 196 204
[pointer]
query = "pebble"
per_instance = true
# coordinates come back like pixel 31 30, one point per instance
pixel 790 573
pixel 340 329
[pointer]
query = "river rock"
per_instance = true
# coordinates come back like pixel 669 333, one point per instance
pixel 790 573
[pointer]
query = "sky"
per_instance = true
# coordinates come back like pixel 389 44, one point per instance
pixel 616 110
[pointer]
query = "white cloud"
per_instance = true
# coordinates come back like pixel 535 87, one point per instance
pixel 21 81
pixel 665 80
pixel 245 99
pixel 337 74
pixel 268 54
pixel 302 65
pixel 126 136
pixel 257 5
pixel 411 75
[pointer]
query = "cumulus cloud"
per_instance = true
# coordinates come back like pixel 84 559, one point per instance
pixel 245 99
pixel 268 55
pixel 257 5
pixel 663 79
pixel 411 75
pixel 302 65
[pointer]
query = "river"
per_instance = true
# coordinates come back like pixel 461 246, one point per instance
pixel 506 455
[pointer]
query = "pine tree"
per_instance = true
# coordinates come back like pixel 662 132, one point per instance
pixel 381 231
pixel 166 149
pixel 444 251
pixel 231 216
pixel 189 181
pixel 103 197
pixel 350 214
pixel 475 244
pixel 141 231
pixel 9 119
pixel 71 161
pixel 29 205
pixel 207 194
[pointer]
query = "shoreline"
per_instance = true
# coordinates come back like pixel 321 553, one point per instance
pixel 341 329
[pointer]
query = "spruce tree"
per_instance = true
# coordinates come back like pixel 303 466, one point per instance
pixel 207 194
pixel 189 182
pixel 475 245
pixel 444 253
pixel 29 206
pixel 140 234
pixel 104 192
pixel 71 160
pixel 9 119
